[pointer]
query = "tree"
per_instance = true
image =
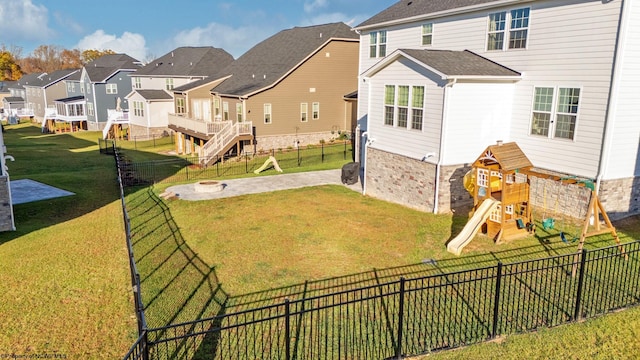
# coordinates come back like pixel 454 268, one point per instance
pixel 71 59
pixel 9 68
pixel 91 54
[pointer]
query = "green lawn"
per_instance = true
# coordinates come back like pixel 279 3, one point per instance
pixel 64 275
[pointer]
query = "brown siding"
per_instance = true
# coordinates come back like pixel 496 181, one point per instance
pixel 331 76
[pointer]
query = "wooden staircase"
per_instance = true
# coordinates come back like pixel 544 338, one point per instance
pixel 227 137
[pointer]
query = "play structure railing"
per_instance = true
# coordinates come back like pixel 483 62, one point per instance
pixel 412 316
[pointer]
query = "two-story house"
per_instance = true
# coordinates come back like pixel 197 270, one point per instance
pixel 45 90
pixel 288 90
pixel 441 80
pixel 70 111
pixel 104 83
pixel 151 100
pixel 18 103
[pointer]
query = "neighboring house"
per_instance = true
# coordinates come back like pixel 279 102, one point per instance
pixel 289 89
pixel 45 90
pixel 70 110
pixel 7 222
pixel 104 81
pixel 148 102
pixel 441 80
pixel 20 102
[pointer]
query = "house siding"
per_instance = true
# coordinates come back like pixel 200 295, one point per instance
pixel 549 60
pixel 325 78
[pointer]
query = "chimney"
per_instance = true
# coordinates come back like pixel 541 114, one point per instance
pixel 499 142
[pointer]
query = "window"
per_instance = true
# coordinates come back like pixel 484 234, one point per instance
pixel 225 110
pixel 315 111
pixel 216 106
pixel 168 84
pixel 137 83
pixel 518 29
pixel 417 107
pixel 239 112
pixel 389 104
pixel 267 113
pixel 427 34
pixel 398 108
pixel 378 44
pixel 304 109
pixel 71 87
pixel 180 107
pixel 403 105
pixel 112 88
pixel 560 123
pixel 138 108
pixel 90 109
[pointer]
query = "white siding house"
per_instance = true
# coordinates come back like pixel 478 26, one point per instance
pixel 570 109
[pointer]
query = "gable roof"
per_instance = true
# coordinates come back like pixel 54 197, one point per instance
pixel 102 68
pixel 509 156
pixel 269 61
pixel 415 9
pixel 188 61
pixel 52 78
pixel 26 80
pixel 155 94
pixel 450 64
pixel 195 84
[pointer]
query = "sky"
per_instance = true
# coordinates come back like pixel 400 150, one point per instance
pixel 147 29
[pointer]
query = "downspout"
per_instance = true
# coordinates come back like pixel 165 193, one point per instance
pixel 613 97
pixel 443 132
pixel 364 162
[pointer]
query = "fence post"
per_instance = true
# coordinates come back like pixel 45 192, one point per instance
pixel 298 147
pixel 496 301
pixel 246 164
pixel 145 346
pixel 287 329
pixel 322 147
pixel 400 319
pixel 345 151
pixel 187 170
pixel 576 314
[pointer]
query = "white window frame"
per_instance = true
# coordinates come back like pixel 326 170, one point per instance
pixel 392 108
pixel 137 83
pixel 427 34
pixel 71 87
pixel 112 88
pixel 378 44
pixel 315 111
pixel 239 112
pixel 267 110
pixel 512 22
pixel 225 110
pixel 90 110
pixel 304 112
pixel 180 106
pixel 554 112
pixel 168 83
pixel 138 108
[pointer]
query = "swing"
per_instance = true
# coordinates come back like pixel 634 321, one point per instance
pixel 549 223
pixel 566 238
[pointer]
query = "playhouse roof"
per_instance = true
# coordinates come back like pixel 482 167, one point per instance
pixel 508 156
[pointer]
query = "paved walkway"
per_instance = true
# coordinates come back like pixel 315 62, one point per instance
pixel 27 190
pixel 237 187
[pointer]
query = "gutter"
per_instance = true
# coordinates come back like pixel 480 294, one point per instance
pixel 616 75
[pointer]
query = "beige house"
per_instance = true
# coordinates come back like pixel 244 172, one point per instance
pixel 286 91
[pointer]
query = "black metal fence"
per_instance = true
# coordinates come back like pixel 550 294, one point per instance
pixel 193 168
pixel 415 316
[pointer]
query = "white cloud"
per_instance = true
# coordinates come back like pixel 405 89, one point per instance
pixel 311 6
pixel 22 20
pixel 129 43
pixel 236 41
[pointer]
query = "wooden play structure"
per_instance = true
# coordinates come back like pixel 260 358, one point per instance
pixel 499 185
pixel 500 181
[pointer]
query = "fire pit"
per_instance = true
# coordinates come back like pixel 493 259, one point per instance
pixel 207 186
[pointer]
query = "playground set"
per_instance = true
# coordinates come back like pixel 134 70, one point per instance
pixel 500 183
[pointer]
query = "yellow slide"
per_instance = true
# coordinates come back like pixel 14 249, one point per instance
pixel 470 230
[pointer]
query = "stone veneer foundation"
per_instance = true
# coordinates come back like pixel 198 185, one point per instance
pixel 411 182
pixel 620 197
pixel 6 222
pixel 144 133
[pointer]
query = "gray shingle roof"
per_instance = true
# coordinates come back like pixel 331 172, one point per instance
pixel 188 61
pixel 270 60
pixel 52 78
pixel 105 66
pixel 459 63
pixel 70 99
pixel 27 79
pixel 411 8
pixel 155 94
pixel 195 84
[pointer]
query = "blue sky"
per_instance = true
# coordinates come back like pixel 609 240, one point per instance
pixel 148 29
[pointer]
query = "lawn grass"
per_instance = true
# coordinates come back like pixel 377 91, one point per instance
pixel 64 281
pixel 64 275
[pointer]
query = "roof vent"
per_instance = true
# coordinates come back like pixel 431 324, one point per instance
pixel 264 76
pixel 409 3
pixel 172 54
pixel 320 35
pixel 253 76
